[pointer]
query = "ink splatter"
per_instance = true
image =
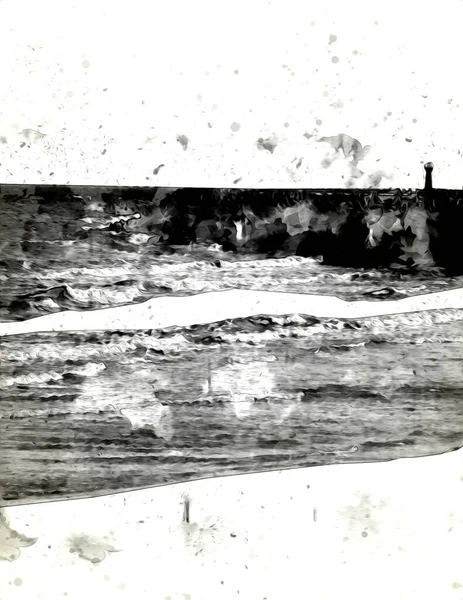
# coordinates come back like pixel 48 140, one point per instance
pixel 186 508
pixel 360 514
pixel 235 126
pixel 268 144
pixel 335 59
pixel 11 541
pixel 156 417
pixel 349 146
pixel 157 169
pixel 183 141
pixel 332 39
pixel 85 63
pixel 90 548
pixel 32 135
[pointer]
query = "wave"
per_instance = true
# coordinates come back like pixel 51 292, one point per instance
pixel 180 264
pixel 338 335
pixel 88 370
pixel 102 348
pixel 49 352
pixel 67 297
pixel 210 307
pixel 92 288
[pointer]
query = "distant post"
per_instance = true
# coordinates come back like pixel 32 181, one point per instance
pixel 428 191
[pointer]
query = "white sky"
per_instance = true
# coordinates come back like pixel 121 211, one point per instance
pixel 169 69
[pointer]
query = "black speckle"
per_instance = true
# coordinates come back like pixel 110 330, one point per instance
pixel 233 535
pixel 157 169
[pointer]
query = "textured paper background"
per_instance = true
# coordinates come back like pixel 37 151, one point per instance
pixel 98 93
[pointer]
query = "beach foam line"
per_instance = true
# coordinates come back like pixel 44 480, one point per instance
pixel 210 307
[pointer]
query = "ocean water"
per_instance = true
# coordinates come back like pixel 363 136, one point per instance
pixel 85 413
pixel 44 285
pixel 90 412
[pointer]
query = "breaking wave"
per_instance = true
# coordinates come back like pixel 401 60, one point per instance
pixel 88 370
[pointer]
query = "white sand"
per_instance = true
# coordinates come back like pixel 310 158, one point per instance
pixel 389 531
pixel 217 306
